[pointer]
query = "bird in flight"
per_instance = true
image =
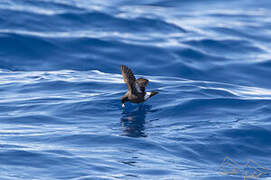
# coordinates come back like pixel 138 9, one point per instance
pixel 136 87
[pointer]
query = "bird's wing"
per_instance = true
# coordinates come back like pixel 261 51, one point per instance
pixel 128 77
pixel 140 84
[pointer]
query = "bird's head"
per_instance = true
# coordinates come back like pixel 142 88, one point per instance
pixel 123 100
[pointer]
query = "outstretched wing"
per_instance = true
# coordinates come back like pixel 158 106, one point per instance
pixel 128 77
pixel 140 84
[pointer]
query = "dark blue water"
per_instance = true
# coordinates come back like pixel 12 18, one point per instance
pixel 60 87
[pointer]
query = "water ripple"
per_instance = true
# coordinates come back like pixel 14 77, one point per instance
pixel 60 85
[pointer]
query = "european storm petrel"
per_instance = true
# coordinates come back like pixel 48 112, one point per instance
pixel 136 87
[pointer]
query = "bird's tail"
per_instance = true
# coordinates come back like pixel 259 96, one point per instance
pixel 153 93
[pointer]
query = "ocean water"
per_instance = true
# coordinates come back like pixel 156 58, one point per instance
pixel 60 87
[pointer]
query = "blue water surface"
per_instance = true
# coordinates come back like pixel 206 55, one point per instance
pixel 60 86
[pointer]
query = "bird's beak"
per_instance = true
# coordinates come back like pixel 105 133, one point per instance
pixel 123 105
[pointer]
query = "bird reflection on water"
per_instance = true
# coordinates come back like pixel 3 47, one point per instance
pixel 133 120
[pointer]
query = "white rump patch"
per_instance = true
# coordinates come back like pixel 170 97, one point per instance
pixel 147 95
pixel 138 88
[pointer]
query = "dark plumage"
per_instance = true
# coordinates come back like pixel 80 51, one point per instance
pixel 136 87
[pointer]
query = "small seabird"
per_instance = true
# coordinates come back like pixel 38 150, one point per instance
pixel 136 87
